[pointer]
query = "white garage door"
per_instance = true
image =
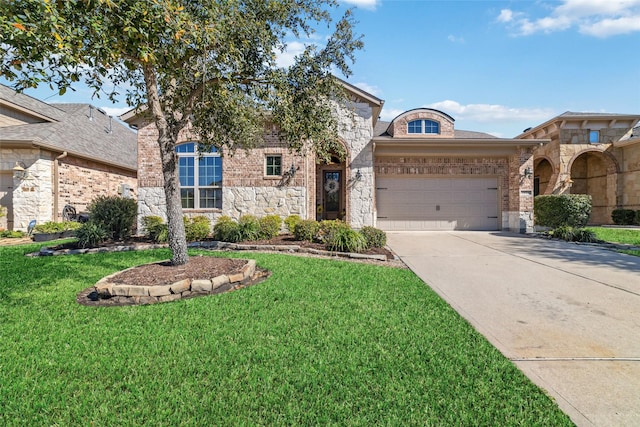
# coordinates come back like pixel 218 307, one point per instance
pixel 437 203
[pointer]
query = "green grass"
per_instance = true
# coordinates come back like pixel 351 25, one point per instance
pixel 617 235
pixel 320 342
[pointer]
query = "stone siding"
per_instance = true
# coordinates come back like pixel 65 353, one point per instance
pixel 356 130
pixel 247 190
pixel 31 197
pixel 79 181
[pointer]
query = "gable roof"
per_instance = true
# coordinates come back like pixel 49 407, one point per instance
pixel 375 103
pixel 79 129
pixel 28 105
pixel 550 128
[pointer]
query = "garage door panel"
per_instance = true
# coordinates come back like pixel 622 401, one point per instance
pixel 437 203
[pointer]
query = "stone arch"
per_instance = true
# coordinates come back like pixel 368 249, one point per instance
pixel 545 175
pixel 594 172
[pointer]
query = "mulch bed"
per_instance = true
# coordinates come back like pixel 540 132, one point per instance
pixel 163 273
pixel 283 239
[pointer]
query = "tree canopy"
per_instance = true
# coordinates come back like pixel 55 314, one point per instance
pixel 209 64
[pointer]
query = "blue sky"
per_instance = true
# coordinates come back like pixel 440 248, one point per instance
pixel 495 66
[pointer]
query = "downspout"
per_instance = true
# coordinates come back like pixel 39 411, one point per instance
pixel 56 183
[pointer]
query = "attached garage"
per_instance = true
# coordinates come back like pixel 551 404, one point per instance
pixel 427 203
pixel 431 176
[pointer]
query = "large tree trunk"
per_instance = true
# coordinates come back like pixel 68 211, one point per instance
pixel 167 143
pixel 175 223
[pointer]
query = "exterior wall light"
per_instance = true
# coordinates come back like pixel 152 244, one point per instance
pixel 358 175
pixel 528 172
pixel 19 170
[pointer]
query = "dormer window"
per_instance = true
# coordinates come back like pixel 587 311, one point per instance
pixel 424 126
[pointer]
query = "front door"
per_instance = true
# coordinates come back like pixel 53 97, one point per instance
pixel 332 186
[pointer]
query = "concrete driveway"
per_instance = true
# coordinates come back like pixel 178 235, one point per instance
pixel 567 315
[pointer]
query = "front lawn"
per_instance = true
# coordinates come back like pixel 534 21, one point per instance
pixel 617 235
pixel 321 342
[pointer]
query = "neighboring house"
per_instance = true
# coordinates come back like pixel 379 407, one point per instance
pixel 52 155
pixel 415 173
pixel 590 153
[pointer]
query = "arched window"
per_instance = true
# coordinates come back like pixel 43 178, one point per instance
pixel 201 186
pixel 424 126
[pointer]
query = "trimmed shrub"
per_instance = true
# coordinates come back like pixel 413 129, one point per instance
pixel 638 217
pixel 227 230
pixel 56 227
pixel 155 228
pixel 374 237
pixel 329 226
pixel 196 228
pixel 306 230
pixel 345 240
pixel 574 234
pixel 91 234
pixel 270 226
pixel 564 209
pixel 623 216
pixel 291 222
pixel 12 234
pixel 249 227
pixel 116 215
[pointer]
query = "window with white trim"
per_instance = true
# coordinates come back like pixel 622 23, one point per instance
pixel 200 177
pixel 423 126
pixel 273 166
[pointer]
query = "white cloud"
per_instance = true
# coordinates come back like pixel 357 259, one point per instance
pixel 373 90
pixel 390 113
pixel 506 15
pixel 115 111
pixel 491 112
pixel 287 58
pixel 454 39
pixel 365 4
pixel 612 27
pixel 599 18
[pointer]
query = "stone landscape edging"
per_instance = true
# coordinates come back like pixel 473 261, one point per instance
pixel 186 288
pixel 211 245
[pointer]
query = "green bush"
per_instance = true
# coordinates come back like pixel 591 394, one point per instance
pixel 306 230
pixel 155 228
pixel 249 227
pixel 56 227
pixel 623 216
pixel 329 226
pixel 11 234
pixel 116 215
pixel 270 226
pixel 291 222
pixel 638 217
pixel 565 209
pixel 574 234
pixel 374 237
pixel 343 239
pixel 196 228
pixel 91 234
pixel 227 230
